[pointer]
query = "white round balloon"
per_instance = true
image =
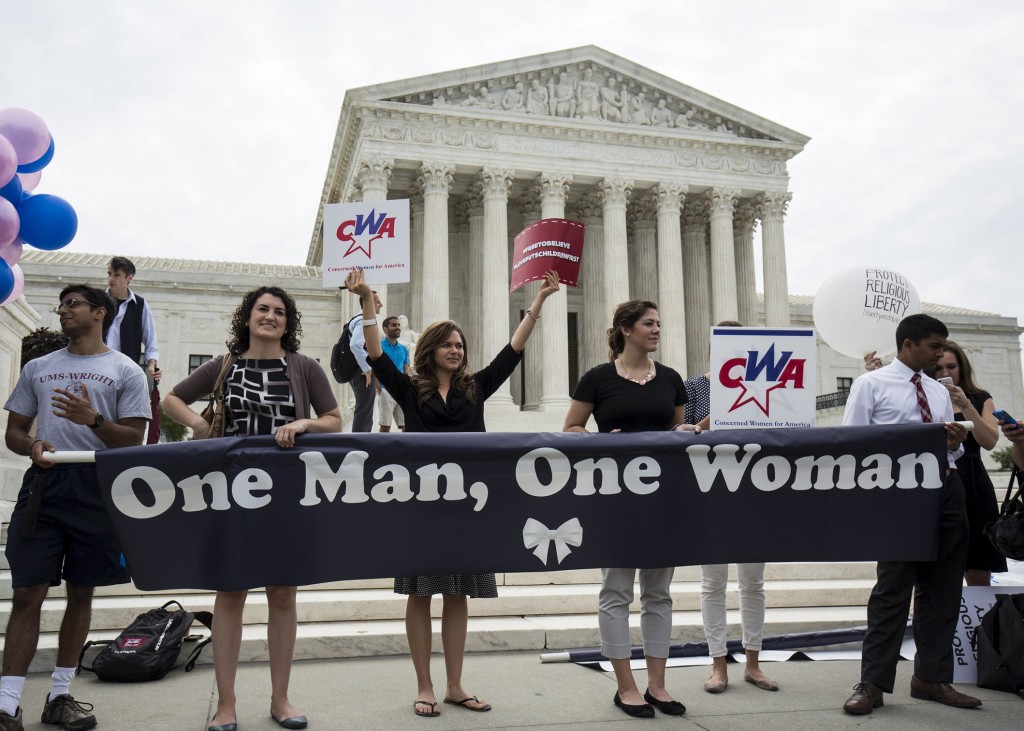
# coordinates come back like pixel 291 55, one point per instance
pixel 856 311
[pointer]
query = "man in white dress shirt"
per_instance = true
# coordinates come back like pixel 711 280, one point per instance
pixel 900 393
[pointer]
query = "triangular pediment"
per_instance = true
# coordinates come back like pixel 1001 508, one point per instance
pixel 585 84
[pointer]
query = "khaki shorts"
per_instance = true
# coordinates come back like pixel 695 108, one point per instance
pixel 389 410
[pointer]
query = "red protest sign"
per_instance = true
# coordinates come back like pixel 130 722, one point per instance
pixel 551 243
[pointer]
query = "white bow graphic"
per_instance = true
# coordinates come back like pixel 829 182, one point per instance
pixel 537 535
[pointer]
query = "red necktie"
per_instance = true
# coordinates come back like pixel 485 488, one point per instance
pixel 922 400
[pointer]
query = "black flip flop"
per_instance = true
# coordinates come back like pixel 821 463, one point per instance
pixel 464 701
pixel 426 714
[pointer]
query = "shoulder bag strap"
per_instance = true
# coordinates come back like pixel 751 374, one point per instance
pixel 225 367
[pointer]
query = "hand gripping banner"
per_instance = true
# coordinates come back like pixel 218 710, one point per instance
pixel 238 513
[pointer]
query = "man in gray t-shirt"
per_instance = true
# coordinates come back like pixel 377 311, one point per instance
pixel 82 397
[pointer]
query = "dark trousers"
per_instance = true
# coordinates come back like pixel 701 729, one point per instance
pixel 936 587
pixel 362 417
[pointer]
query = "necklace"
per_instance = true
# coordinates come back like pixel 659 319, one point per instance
pixel 641 381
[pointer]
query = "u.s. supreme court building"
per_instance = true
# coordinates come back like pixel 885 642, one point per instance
pixel 677 189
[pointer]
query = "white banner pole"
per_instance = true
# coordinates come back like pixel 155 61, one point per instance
pixel 70 457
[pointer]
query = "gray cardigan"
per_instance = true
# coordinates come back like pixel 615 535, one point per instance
pixel 308 381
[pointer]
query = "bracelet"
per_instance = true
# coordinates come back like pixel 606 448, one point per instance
pixel 673 427
pixel 33 446
pixel 529 311
pixel 370 323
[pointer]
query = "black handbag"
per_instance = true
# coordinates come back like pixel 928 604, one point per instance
pixel 1007 532
pixel 1001 646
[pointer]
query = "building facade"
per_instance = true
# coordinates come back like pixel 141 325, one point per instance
pixel 671 183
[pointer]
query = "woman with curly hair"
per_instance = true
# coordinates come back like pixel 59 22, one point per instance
pixel 442 395
pixel 972 403
pixel 270 388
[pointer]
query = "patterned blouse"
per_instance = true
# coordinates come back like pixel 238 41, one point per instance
pixel 259 398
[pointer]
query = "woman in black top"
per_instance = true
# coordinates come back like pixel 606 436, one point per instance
pixel 443 395
pixel 975 404
pixel 634 393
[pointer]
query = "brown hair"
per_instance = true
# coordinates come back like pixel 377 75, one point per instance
pixel 966 372
pixel 626 315
pixel 425 377
pixel 239 330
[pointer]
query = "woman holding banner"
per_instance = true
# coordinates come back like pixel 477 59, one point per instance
pixel 634 393
pixel 270 388
pixel 442 395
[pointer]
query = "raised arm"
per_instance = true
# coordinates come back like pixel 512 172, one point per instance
pixel 356 284
pixel 525 329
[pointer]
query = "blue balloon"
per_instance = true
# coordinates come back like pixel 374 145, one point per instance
pixel 37 165
pixel 6 280
pixel 47 222
pixel 12 191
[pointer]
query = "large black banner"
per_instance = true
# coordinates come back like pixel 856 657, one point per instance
pixel 238 513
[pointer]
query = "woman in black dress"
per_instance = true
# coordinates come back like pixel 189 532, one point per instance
pixel 971 403
pixel 633 393
pixel 443 395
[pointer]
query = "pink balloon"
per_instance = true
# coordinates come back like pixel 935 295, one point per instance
pixel 8 161
pixel 12 252
pixel 29 181
pixel 27 133
pixel 19 285
pixel 10 223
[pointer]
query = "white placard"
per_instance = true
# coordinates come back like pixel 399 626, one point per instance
pixel 373 235
pixel 975 601
pixel 763 377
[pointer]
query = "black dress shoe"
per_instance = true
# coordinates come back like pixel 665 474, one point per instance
pixel 223 727
pixel 866 698
pixel 643 711
pixel 669 708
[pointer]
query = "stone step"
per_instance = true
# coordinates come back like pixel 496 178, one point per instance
pixel 314 607
pixel 541 633
pixel 773 572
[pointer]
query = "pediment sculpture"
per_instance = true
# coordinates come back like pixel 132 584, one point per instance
pixel 584 92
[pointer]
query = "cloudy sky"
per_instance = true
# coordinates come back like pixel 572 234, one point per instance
pixel 202 129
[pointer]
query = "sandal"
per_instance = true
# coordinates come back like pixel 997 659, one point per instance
pixel 471 699
pixel 432 705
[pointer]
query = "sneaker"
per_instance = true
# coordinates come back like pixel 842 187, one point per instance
pixel 11 723
pixel 72 715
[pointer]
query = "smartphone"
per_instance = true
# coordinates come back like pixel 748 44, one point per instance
pixel 945 381
pixel 1005 418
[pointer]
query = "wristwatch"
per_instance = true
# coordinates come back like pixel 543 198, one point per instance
pixel 97 422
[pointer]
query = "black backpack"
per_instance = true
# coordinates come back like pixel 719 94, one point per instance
pixel 343 361
pixel 148 649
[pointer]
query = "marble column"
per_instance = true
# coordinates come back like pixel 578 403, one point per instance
pixel 723 254
pixel 554 327
pixel 495 183
pixel 615 194
pixel 695 279
pixel 415 313
pixel 771 208
pixel 643 260
pixel 744 221
pixel 373 176
pixel 593 345
pixel 435 181
pixel 458 261
pixel 475 285
pixel 533 361
pixel 672 287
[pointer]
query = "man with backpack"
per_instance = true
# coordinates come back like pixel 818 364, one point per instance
pixel 82 397
pixel 363 384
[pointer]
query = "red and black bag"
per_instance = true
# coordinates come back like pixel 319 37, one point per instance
pixel 149 648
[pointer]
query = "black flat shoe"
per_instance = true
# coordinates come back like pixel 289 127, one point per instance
pixel 644 711
pixel 669 708
pixel 223 727
pixel 294 722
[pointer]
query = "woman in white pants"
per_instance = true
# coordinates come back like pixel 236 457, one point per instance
pixel 712 610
